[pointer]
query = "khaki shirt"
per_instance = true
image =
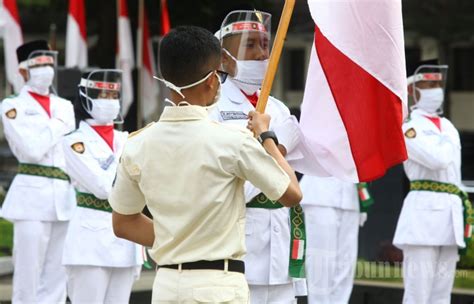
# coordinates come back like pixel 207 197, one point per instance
pixel 190 172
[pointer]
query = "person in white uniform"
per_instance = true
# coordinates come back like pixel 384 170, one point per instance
pixel 332 209
pixel 245 38
pixel 101 268
pixel 430 226
pixel 40 200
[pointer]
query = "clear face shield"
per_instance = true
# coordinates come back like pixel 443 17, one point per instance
pixel 428 87
pixel 42 71
pixel 245 40
pixel 103 95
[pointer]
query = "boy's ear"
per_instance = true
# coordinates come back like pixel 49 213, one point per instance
pixel 24 74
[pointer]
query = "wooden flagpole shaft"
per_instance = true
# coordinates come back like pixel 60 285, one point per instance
pixel 275 55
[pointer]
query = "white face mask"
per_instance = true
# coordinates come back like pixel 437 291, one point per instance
pixel 249 74
pixel 41 78
pixel 178 89
pixel 430 99
pixel 103 111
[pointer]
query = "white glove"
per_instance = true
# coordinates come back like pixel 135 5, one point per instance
pixel 362 218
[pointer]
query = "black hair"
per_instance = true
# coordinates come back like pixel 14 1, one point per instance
pixel 187 53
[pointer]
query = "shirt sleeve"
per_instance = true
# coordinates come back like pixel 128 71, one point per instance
pixel 258 167
pixel 126 197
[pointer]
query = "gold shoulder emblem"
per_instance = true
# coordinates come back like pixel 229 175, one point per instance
pixel 78 147
pixel 11 113
pixel 410 133
pixel 140 130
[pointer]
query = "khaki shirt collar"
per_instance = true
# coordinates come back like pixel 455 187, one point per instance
pixel 183 113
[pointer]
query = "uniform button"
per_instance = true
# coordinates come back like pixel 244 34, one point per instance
pixel 276 229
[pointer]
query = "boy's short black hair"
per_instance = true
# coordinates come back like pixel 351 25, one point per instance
pixel 187 53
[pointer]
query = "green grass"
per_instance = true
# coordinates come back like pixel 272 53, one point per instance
pixel 383 272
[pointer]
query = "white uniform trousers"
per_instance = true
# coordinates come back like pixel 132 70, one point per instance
pixel 331 253
pixel 428 273
pixel 96 285
pixel 38 276
pixel 199 286
pixel 269 294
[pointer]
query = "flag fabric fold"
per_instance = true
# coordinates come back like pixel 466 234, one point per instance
pixel 125 57
pixel 355 96
pixel 10 30
pixel 76 35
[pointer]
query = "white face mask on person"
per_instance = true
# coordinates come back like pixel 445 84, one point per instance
pixel 41 79
pixel 178 90
pixel 103 111
pixel 430 100
pixel 249 74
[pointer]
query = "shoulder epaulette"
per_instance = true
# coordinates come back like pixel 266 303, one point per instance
pixel 140 130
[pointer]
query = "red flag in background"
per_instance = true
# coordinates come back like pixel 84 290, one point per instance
pixel 76 36
pixel 165 18
pixel 10 30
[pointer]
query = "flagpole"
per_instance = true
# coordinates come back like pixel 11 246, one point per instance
pixel 141 16
pixel 275 55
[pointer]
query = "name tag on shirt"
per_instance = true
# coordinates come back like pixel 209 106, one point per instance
pixel 233 115
pixel 106 164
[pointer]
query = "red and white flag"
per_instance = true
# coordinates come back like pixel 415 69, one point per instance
pixel 149 88
pixel 10 29
pixel 76 35
pixel 125 59
pixel 355 96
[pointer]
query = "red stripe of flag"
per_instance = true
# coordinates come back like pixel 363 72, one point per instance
pixel 10 5
pixel 77 11
pixel 371 113
pixel 165 18
pixel 123 10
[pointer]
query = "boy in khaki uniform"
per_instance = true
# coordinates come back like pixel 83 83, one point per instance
pixel 190 173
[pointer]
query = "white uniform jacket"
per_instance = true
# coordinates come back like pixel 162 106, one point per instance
pixel 35 138
pixel 90 239
pixel 267 230
pixel 329 192
pixel 431 218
